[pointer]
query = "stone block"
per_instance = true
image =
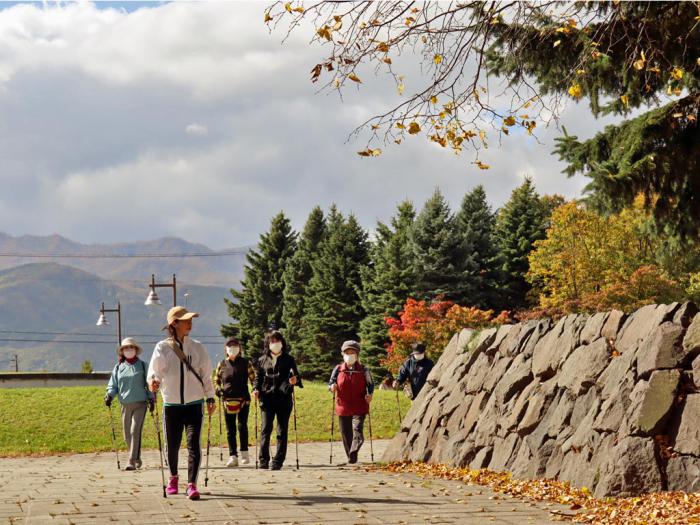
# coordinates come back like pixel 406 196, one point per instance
pixel 584 365
pixel 683 473
pixel 642 323
pixel 687 437
pixel 561 415
pixel 518 376
pixel 619 368
pixel 482 458
pixel 537 406
pixel 542 327
pixel 662 349
pixel 651 410
pixel 612 325
pixel 497 371
pixel 691 341
pixel 475 409
pixel 478 373
pixel 628 469
pixel 593 327
pixel 503 450
pixel 685 314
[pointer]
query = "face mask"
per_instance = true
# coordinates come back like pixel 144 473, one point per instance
pixel 349 359
pixel 418 357
pixel 275 348
pixel 233 351
pixel 129 353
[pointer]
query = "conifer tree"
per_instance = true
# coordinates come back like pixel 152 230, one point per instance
pixel 519 224
pixel 436 246
pixel 333 310
pixel 296 280
pixel 386 284
pixel 258 302
pixel 475 223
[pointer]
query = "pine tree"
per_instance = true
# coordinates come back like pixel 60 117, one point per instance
pixel 333 310
pixel 519 224
pixel 296 280
pixel 475 223
pixel 386 284
pixel 258 303
pixel 436 250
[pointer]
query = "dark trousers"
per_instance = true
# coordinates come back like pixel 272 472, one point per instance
pixel 351 432
pixel 188 418
pixel 242 419
pixel 279 407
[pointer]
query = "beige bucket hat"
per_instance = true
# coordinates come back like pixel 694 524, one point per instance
pixel 179 313
pixel 128 341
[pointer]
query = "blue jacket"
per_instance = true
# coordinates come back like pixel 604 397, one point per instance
pixel 416 372
pixel 129 381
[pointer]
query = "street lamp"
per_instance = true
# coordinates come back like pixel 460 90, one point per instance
pixel 186 296
pixel 153 298
pixel 102 320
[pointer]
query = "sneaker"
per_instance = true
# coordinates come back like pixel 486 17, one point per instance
pixel 275 466
pixel 264 465
pixel 172 486
pixel 139 463
pixel 232 461
pixel 352 458
pixel 245 458
pixel 192 492
pixel 130 466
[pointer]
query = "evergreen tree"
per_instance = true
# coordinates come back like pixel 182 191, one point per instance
pixel 259 301
pixel 333 310
pixel 296 279
pixel 519 224
pixel 386 284
pixel 436 250
pixel 475 223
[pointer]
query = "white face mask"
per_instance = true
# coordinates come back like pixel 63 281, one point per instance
pixel 349 359
pixel 233 351
pixel 129 353
pixel 276 348
pixel 418 357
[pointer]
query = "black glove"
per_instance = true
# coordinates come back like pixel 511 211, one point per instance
pixel 108 400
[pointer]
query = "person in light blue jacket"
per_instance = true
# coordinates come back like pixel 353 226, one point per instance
pixel 128 381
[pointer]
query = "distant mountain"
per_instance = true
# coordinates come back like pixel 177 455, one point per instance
pixel 37 300
pixel 224 270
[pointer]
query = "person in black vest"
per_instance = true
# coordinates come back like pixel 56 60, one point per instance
pixel 275 377
pixel 352 384
pixel 415 369
pixel 231 380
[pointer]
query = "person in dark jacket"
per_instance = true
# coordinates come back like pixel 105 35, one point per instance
pixel 231 381
pixel 276 375
pixel 352 384
pixel 415 370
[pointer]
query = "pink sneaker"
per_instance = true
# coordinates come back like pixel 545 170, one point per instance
pixel 192 491
pixel 172 486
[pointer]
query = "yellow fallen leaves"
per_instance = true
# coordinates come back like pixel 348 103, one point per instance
pixel 650 509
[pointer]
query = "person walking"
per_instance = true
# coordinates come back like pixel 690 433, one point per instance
pixel 181 369
pixel 276 375
pixel 231 379
pixel 128 383
pixel 415 370
pixel 353 387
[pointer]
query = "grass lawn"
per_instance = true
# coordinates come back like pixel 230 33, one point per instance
pixel 74 419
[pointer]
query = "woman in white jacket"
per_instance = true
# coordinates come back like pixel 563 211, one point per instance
pixel 181 369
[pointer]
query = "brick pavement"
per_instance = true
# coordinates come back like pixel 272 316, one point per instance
pixel 88 488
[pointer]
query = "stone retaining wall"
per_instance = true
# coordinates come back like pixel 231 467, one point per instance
pixel 608 401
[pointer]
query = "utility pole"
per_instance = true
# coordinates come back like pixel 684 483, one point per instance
pixel 16 360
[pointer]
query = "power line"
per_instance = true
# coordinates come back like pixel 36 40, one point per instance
pixel 118 255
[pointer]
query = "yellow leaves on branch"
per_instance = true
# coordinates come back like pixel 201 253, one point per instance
pixel 324 32
pixel 677 73
pixel 268 17
pixel 481 165
pixel 575 90
pixel 509 121
pixel 354 78
pixel 437 59
pixel 288 7
pixel 413 128
pixel 369 152
pixel 625 100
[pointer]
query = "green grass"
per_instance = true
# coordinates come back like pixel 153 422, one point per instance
pixel 74 419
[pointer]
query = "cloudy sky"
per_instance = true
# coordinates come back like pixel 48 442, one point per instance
pixel 129 122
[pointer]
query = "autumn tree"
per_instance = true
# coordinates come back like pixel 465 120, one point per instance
pixel 487 68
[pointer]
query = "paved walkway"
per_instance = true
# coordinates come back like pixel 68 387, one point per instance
pixel 88 488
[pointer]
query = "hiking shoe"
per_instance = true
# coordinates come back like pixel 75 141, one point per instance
pixel 172 486
pixel 275 466
pixel 139 463
pixel 245 459
pixel 192 492
pixel 352 458
pixel 264 465
pixel 232 461
pixel 130 466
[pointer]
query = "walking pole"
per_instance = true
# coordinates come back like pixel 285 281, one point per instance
pixel 257 445
pixel 371 447
pixel 398 406
pixel 160 445
pixel 332 427
pixel 296 436
pixel 206 473
pixel 221 449
pixel 114 437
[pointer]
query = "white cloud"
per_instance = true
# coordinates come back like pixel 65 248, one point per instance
pixel 100 108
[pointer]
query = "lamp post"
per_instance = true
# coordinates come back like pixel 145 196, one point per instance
pixel 102 320
pixel 153 298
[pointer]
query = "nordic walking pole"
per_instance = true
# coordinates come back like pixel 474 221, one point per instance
pixel 160 444
pixel 371 447
pixel 296 436
pixel 332 427
pixel 221 449
pixel 257 445
pixel 206 472
pixel 398 406
pixel 114 437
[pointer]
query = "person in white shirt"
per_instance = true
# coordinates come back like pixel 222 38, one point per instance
pixel 181 369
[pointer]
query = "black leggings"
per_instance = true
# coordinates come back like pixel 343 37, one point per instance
pixel 279 407
pixel 242 418
pixel 176 419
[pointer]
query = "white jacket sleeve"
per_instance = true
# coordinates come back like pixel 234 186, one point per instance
pixel 158 365
pixel 205 372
